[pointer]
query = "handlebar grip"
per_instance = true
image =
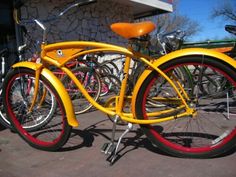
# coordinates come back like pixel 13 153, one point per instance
pixel 231 29
pixel 78 3
pixel 85 2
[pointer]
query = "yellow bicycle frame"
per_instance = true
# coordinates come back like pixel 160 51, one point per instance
pixel 67 53
pixel 58 54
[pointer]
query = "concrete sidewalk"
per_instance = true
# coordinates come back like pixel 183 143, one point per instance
pixel 82 157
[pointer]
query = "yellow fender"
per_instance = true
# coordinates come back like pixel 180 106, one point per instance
pixel 177 54
pixel 57 85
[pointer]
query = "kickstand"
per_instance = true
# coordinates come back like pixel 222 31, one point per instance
pixel 112 148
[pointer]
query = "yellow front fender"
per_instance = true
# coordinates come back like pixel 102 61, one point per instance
pixel 57 85
pixel 178 54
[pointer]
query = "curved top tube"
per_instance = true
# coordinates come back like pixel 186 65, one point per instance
pixel 62 52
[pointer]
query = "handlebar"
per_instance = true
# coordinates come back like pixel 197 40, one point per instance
pixel 231 29
pixel 76 4
pixel 174 34
pixel 166 43
pixel 79 3
pixel 40 22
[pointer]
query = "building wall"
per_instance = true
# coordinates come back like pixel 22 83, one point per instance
pixel 81 23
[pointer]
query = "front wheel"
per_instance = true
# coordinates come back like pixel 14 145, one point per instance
pixel 45 127
pixel 208 134
pixel 3 118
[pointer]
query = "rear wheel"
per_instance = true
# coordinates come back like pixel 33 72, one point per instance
pixel 45 127
pixel 212 131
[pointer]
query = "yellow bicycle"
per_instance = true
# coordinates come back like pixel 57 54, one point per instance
pixel 175 115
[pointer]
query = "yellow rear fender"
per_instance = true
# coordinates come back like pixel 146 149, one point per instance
pixel 195 52
pixel 58 87
pixel 179 54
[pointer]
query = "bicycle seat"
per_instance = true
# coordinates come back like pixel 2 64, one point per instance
pixel 133 30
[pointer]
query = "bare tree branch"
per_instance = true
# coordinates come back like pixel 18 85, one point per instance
pixel 227 10
pixel 170 22
pixel 174 21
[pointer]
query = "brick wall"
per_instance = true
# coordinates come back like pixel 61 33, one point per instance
pixel 81 23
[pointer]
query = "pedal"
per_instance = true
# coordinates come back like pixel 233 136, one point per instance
pixel 108 148
pixel 112 158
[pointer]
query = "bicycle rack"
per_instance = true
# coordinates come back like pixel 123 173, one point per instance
pixel 111 148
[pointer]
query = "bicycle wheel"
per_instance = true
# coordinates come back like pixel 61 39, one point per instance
pixel 113 69
pixel 3 118
pixel 211 131
pixel 110 85
pixel 91 82
pixel 44 127
pixel 215 88
pixel 49 99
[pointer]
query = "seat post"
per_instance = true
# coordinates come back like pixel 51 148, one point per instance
pixel 124 82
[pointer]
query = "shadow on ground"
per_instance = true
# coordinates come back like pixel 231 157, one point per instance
pixel 136 139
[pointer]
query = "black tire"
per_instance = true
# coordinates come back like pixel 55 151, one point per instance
pixel 53 131
pixel 208 134
pixel 214 88
pixel 112 67
pixel 91 81
pixel 3 118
